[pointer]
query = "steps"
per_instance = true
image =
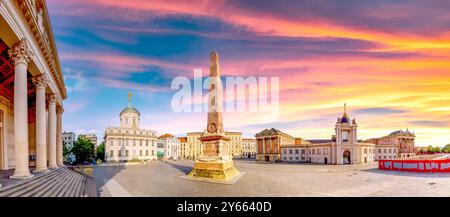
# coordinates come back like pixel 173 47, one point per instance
pixel 61 182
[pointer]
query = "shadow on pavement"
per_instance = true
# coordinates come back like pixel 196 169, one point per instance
pixel 182 168
pixel 104 173
pixel 410 174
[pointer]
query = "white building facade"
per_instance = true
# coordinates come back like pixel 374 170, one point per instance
pixel 170 147
pixel 248 148
pixel 128 142
pixel 68 139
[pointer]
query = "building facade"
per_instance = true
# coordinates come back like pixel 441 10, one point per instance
pixel 169 145
pixel 248 148
pixel 343 147
pixel 68 139
pixel 235 144
pixel 129 141
pixel 32 90
pixel 193 146
pixel 401 141
pixel 269 142
pixel 183 146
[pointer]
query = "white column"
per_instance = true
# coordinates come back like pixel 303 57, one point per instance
pixel 52 132
pixel 41 124
pixel 20 55
pixel 59 143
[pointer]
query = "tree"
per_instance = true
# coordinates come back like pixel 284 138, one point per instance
pixel 446 148
pixel 66 152
pixel 84 150
pixel 101 152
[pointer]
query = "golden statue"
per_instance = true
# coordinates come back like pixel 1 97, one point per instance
pixel 129 98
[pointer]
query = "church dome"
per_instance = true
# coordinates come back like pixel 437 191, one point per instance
pixel 345 118
pixel 130 109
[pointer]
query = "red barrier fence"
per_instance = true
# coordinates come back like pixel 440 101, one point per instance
pixel 415 165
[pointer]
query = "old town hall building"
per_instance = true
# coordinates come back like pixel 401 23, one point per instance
pixel 129 142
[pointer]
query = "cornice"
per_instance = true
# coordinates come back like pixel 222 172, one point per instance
pixel 36 16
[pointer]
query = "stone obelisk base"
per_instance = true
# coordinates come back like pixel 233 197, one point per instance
pixel 217 170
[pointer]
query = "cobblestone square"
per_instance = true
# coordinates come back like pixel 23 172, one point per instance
pixel 261 179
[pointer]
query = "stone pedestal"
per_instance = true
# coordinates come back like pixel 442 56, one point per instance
pixel 216 170
pixel 215 163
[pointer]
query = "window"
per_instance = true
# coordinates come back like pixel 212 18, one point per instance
pixel 140 152
pixel 290 158
pixel 384 150
pixel 126 153
pixel 390 151
pixel 284 158
pixel 119 153
pixel 290 151
pixel 153 152
pixel 146 141
pixel 146 152
pixel 325 150
pixel 296 158
pixel 111 153
pixel 365 151
pixel 303 151
pixel 284 151
pixel 314 151
pixel 379 151
pixel 318 151
pixel 345 136
pixel 296 151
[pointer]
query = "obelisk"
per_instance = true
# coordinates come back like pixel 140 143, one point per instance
pixel 215 163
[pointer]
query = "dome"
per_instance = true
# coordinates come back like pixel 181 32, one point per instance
pixel 130 109
pixel 345 119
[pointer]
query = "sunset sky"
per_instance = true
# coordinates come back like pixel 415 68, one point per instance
pixel 388 60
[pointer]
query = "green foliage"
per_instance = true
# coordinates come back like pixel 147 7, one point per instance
pixel 446 148
pixel 159 154
pixel 66 151
pixel 84 150
pixel 101 152
pixel 431 150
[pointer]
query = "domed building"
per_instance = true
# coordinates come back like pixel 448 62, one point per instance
pixel 129 141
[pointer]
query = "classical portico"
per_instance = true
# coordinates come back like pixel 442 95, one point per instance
pixel 31 90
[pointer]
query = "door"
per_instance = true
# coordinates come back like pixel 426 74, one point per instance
pixel 346 157
pixel 326 161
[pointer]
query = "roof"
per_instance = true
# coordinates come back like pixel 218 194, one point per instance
pixel 299 141
pixel 130 109
pixel 401 132
pixel 268 132
pixel 165 136
pixel 319 140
